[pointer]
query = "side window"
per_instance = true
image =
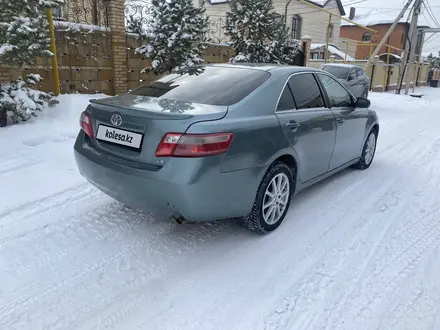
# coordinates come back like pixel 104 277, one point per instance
pixel 286 100
pixel 306 91
pixel 352 74
pixel 359 72
pixel 337 94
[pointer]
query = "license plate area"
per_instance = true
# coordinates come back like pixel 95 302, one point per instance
pixel 119 136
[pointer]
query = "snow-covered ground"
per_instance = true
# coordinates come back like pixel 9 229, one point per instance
pixel 358 251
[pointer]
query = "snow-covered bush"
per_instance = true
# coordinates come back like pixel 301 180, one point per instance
pixel 176 35
pixel 258 35
pixel 19 102
pixel 24 32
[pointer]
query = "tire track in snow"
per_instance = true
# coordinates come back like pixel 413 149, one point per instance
pixel 414 229
pixel 282 315
pixel 138 248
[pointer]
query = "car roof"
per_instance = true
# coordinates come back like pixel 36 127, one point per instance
pixel 266 67
pixel 344 65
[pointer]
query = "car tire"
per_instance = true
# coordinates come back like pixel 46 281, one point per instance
pixel 368 151
pixel 259 219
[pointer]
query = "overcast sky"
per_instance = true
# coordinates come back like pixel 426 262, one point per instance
pixel 391 7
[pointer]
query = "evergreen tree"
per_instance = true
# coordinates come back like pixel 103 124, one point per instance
pixel 24 32
pixel 257 35
pixel 434 61
pixel 177 30
pixel 135 25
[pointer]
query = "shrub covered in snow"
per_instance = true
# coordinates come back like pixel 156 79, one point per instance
pixel 257 34
pixel 176 35
pixel 19 102
pixel 24 32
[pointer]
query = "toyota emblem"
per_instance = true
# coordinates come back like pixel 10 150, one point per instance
pixel 116 119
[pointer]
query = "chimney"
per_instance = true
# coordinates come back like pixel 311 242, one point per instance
pixel 352 13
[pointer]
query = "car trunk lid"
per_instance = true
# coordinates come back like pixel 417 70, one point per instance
pixel 140 122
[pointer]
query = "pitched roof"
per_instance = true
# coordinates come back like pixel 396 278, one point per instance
pixel 372 17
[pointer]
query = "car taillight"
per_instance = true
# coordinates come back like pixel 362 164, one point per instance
pixel 193 145
pixel 85 122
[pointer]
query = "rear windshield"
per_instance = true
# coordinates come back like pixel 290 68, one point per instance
pixel 206 85
pixel 337 71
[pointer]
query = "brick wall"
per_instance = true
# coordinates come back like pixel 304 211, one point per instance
pixel 396 39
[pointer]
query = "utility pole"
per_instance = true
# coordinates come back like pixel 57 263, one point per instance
pixel 410 48
pixel 396 21
pixel 414 21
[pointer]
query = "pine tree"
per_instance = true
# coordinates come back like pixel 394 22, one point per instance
pixel 177 30
pixel 434 61
pixel 256 34
pixel 24 32
pixel 134 25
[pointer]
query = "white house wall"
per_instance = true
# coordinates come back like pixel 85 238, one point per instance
pixel 314 21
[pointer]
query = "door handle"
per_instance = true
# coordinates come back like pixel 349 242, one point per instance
pixel 339 120
pixel 293 124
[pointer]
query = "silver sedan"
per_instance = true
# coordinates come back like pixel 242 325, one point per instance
pixel 225 141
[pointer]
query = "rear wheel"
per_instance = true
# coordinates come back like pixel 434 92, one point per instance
pixel 368 152
pixel 272 200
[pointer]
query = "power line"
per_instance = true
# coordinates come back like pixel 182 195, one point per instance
pixel 431 14
pixel 432 35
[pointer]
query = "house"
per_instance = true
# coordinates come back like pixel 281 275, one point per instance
pixel 301 19
pixel 379 20
pixel 317 52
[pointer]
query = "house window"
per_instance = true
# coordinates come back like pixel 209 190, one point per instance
pixel 366 36
pixel 296 27
pixel 315 56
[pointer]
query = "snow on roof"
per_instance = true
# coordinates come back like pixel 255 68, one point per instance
pixel 333 50
pixel 370 17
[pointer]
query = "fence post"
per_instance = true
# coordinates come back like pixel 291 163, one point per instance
pixel 306 42
pixel 116 22
pixel 53 49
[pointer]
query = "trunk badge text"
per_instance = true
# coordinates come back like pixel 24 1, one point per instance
pixel 116 119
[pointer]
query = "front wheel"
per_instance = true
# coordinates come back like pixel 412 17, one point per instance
pixel 368 152
pixel 272 200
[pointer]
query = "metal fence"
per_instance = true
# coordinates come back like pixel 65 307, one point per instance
pixel 143 13
pixel 93 12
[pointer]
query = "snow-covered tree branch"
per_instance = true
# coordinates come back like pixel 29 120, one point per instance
pixel 177 33
pixel 257 35
pixel 24 32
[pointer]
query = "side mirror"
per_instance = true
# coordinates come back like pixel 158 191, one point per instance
pixel 350 78
pixel 362 103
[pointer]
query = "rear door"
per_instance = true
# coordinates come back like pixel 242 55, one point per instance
pixel 307 124
pixel 351 122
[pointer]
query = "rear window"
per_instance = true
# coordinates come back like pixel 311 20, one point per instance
pixel 337 71
pixel 212 85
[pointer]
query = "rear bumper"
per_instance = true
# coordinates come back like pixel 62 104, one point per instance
pixel 192 188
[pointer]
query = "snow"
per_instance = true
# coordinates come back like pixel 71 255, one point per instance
pixel 357 251
pixel 369 17
pixel 4 48
pixel 79 26
pixel 333 50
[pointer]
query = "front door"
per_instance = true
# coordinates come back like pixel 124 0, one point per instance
pixel 350 122
pixel 307 124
